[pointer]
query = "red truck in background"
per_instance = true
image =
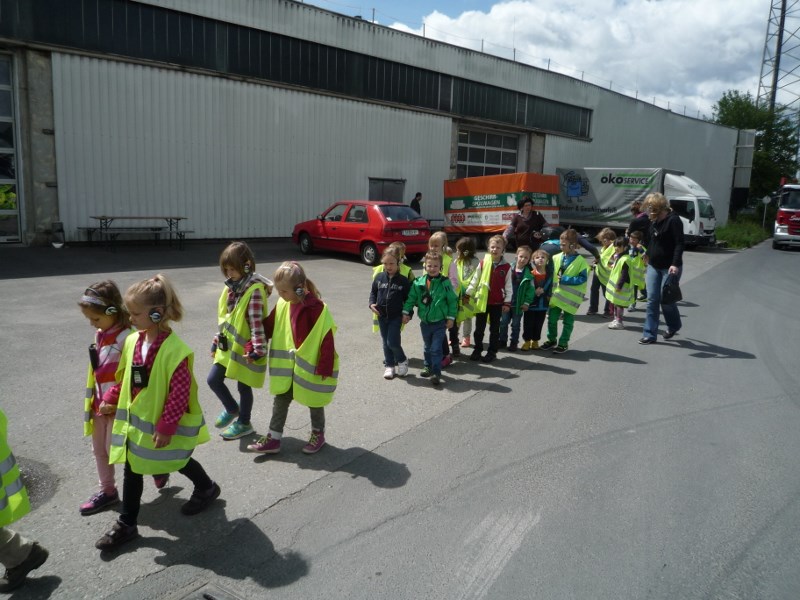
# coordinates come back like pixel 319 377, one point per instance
pixel 786 232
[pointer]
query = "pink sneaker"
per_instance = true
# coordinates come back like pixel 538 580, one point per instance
pixel 99 501
pixel 315 442
pixel 447 361
pixel 161 480
pixel 266 445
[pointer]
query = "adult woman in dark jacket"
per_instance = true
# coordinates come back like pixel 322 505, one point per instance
pixel 524 229
pixel 664 257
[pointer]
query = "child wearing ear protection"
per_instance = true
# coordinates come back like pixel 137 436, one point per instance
pixel 619 290
pixel 570 273
pixel 101 304
pixel 239 349
pixel 159 421
pixel 303 364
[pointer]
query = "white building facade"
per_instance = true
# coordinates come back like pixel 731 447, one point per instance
pixel 247 116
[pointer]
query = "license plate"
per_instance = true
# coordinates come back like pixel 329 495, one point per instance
pixel 410 231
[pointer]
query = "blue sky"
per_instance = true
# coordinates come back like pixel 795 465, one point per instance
pixel 682 53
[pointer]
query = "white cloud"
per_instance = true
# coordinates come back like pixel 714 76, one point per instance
pixel 683 52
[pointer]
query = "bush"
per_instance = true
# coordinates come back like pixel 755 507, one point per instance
pixel 744 231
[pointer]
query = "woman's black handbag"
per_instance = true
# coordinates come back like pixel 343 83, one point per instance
pixel 671 292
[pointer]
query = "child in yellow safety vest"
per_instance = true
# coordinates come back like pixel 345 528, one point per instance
pixel 619 289
pixel 606 237
pixel 303 364
pixel 158 422
pixel 570 273
pixel 437 244
pixel 101 304
pixel 239 349
pixel 461 270
pixel 18 554
pixel 637 266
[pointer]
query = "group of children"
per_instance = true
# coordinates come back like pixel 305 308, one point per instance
pixel 141 404
pixel 511 298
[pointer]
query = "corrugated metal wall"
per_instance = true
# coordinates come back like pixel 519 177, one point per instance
pixel 238 159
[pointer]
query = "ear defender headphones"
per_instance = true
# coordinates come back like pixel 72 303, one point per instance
pixel 155 315
pixel 299 291
pixel 572 246
pixel 108 309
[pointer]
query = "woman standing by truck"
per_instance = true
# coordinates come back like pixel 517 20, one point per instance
pixel 525 227
pixel 664 259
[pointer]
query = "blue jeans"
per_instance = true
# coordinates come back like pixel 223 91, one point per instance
pixel 654 281
pixel 390 334
pixel 433 335
pixel 216 381
pixel 514 319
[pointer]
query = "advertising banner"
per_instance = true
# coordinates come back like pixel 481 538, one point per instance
pixel 487 204
pixel 603 196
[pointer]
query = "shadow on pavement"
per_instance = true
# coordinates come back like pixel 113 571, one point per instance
pixel 235 549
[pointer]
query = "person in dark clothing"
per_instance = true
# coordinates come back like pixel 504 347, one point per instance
pixel 386 298
pixel 664 258
pixel 415 203
pixel 525 228
pixel 640 222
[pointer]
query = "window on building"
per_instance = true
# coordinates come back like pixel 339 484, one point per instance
pixel 485 153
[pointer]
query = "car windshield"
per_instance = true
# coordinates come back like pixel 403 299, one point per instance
pixel 398 212
pixel 706 208
pixel 791 199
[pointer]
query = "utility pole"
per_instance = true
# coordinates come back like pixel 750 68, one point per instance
pixel 780 63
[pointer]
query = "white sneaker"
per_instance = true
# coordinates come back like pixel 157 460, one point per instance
pixel 388 373
pixel 401 370
pixel 616 325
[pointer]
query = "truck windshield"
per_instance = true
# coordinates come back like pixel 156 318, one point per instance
pixel 399 212
pixel 706 208
pixel 790 199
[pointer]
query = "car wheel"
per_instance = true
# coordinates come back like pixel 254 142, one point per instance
pixel 306 247
pixel 369 254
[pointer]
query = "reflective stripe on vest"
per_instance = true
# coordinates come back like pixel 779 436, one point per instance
pixel 623 297
pixel 88 401
pixel 601 268
pixel 136 419
pixel 294 369
pixel 236 328
pixel 568 297
pixel 14 503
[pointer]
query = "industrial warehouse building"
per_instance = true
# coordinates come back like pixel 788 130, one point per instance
pixel 246 116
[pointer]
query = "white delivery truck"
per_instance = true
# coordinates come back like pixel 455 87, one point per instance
pixel 593 198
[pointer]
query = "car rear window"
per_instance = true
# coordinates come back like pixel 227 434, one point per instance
pixel 399 212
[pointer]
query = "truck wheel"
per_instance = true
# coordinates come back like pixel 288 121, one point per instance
pixel 306 247
pixel 369 254
pixel 775 245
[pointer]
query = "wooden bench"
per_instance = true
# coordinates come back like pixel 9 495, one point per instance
pixel 109 233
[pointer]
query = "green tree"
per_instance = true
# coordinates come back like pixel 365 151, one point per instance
pixel 775 152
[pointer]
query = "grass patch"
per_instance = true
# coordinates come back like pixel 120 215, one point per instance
pixel 742 232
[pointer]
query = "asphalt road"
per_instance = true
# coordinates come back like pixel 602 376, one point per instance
pixel 612 471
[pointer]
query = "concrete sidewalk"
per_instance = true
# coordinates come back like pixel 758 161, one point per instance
pixel 43 377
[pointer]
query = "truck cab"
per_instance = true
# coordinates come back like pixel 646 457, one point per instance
pixel 786 232
pixel 692 204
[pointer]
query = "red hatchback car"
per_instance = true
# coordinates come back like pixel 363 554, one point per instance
pixel 364 227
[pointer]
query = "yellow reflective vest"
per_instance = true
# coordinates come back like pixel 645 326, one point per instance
pixel 638 268
pixel 293 368
pixel 14 503
pixel 568 297
pixel 622 297
pixel 91 388
pixel 480 297
pixel 601 268
pixel 235 327
pixel 466 308
pixel 136 418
